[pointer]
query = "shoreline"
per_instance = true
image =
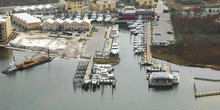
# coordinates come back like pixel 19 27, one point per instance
pixel 180 62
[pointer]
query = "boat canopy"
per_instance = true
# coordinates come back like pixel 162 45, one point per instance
pixel 162 75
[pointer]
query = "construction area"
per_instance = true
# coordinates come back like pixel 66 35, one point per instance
pixel 60 44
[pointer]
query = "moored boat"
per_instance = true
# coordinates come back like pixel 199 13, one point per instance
pixel 10 68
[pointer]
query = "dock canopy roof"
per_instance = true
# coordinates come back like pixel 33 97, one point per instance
pixel 161 75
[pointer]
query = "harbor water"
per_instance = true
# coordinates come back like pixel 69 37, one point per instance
pixel 49 86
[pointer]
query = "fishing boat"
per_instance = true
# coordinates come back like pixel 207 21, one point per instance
pixel 100 18
pixel 10 68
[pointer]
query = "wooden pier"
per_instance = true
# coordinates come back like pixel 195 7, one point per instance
pixel 206 93
pixel 209 93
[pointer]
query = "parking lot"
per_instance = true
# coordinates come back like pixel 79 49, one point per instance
pixel 95 43
pixel 160 31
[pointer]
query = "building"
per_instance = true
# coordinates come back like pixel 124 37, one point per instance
pixel 26 21
pixel 130 13
pixel 146 14
pixel 67 24
pixel 104 5
pixel 74 6
pixel 145 2
pixel 5 27
pixel 37 10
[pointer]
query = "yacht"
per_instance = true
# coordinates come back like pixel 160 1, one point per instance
pixel 93 16
pixel 78 15
pixel 115 49
pixel 10 68
pixel 100 18
pixel 114 32
pixel 95 79
pixel 176 77
pixel 108 17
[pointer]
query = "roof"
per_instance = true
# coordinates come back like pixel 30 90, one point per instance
pixel 75 0
pixel 33 7
pixel 51 21
pixel 104 2
pixel 27 17
pixel 3 18
pixel 161 75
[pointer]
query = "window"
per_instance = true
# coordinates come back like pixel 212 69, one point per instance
pixel 78 6
pixel 103 6
pixel 74 3
pixel 74 7
pixel 150 2
pixel 145 2
pixel 109 6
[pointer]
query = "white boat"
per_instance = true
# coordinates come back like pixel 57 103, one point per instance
pixel 93 16
pixel 114 32
pixel 115 49
pixel 95 79
pixel 10 68
pixel 132 30
pixel 100 18
pixel 108 17
pixel 78 15
pixel 176 77
pixel 138 51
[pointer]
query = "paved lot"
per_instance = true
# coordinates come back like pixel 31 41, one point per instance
pixel 95 43
pixel 163 25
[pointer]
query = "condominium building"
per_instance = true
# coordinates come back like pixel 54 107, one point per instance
pixel 5 27
pixel 26 21
pixel 104 5
pixel 67 24
pixel 145 2
pixel 74 6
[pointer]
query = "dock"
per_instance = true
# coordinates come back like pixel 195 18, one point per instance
pixel 209 93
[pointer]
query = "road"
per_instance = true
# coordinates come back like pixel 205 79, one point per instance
pixel 164 24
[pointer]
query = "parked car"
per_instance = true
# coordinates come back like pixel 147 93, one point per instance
pixel 98 53
pixel 170 32
pixel 157 33
pixel 96 30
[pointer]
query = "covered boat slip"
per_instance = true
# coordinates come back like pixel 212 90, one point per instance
pixel 160 79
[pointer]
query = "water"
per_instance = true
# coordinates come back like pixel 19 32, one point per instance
pixel 49 86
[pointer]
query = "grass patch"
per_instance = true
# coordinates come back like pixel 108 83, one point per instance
pixel 91 31
pixel 107 61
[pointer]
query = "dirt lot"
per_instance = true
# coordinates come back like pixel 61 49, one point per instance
pixel 62 45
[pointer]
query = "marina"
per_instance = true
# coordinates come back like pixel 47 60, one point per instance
pixel 56 78
pixel 109 55
pixel 89 74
